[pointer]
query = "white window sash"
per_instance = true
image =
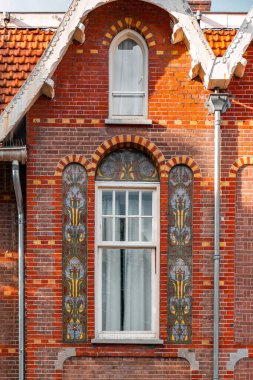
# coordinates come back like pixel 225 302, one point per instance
pixel 113 95
pixel 155 262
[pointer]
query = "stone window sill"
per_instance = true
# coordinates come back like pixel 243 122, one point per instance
pixel 129 121
pixel 126 341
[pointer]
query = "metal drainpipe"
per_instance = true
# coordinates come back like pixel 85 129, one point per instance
pixel 19 199
pixel 217 103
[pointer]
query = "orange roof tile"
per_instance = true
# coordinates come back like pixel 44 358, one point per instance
pixel 20 50
pixel 219 40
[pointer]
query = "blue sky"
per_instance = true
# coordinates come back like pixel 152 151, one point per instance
pixel 62 5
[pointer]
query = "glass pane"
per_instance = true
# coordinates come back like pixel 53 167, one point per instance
pixel 107 202
pixel 106 229
pixel 120 203
pixel 137 290
pixel 133 229
pixel 126 290
pixel 120 229
pixel 146 208
pixel 111 290
pixel 133 203
pixel 125 105
pixel 146 234
pixel 128 67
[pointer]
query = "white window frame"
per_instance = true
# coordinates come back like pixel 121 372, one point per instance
pixel 155 277
pixel 136 37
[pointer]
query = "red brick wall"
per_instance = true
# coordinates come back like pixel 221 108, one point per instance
pixel 8 277
pixel 244 370
pixel 121 368
pixel 202 5
pixel 244 257
pixel 73 123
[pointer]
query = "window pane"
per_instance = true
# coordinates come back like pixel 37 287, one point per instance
pixel 120 203
pixel 106 229
pixel 126 290
pixel 111 290
pixel 137 290
pixel 128 67
pixel 107 202
pixel 133 203
pixel 146 208
pixel 146 229
pixel 120 229
pixel 133 229
pixel 125 105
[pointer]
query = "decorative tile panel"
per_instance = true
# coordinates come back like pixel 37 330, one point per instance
pixel 74 238
pixel 180 255
pixel 127 165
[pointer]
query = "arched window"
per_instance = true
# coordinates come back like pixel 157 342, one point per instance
pixel 128 76
pixel 127 247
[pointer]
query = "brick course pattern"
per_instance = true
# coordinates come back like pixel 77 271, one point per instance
pixel 243 257
pixel 244 370
pixel 122 368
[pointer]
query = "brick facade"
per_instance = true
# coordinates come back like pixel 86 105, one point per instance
pixel 243 257
pixel 117 368
pixel 71 128
pixel 201 5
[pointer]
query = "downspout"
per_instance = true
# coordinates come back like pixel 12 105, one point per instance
pixel 13 153
pixel 19 199
pixel 217 103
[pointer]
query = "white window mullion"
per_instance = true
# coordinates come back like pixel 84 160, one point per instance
pixel 113 213
pixel 127 196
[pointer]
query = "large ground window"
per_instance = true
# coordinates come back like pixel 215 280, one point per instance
pixel 127 258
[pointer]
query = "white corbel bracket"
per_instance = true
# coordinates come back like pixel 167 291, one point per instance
pixel 240 68
pixel 178 34
pixel 79 35
pixel 195 68
pixel 48 88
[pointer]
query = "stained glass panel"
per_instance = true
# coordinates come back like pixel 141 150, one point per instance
pixel 74 245
pixel 180 255
pixel 127 165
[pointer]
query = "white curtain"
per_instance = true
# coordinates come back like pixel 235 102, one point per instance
pixel 127 308
pixel 111 293
pixel 128 79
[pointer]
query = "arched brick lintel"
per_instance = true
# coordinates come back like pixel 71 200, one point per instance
pixel 185 160
pixel 240 162
pixel 131 141
pixel 72 158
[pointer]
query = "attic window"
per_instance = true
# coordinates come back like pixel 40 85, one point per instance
pixel 128 77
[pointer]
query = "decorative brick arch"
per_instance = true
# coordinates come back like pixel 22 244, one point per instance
pixel 130 141
pixel 184 160
pixel 77 158
pixel 130 23
pixel 240 162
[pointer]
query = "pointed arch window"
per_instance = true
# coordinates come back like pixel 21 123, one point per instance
pixel 128 76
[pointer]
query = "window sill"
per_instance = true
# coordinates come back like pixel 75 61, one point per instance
pixel 126 341
pixel 129 121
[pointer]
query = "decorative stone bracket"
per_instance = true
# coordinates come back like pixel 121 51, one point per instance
pixel 63 355
pixel 235 357
pixel 190 356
